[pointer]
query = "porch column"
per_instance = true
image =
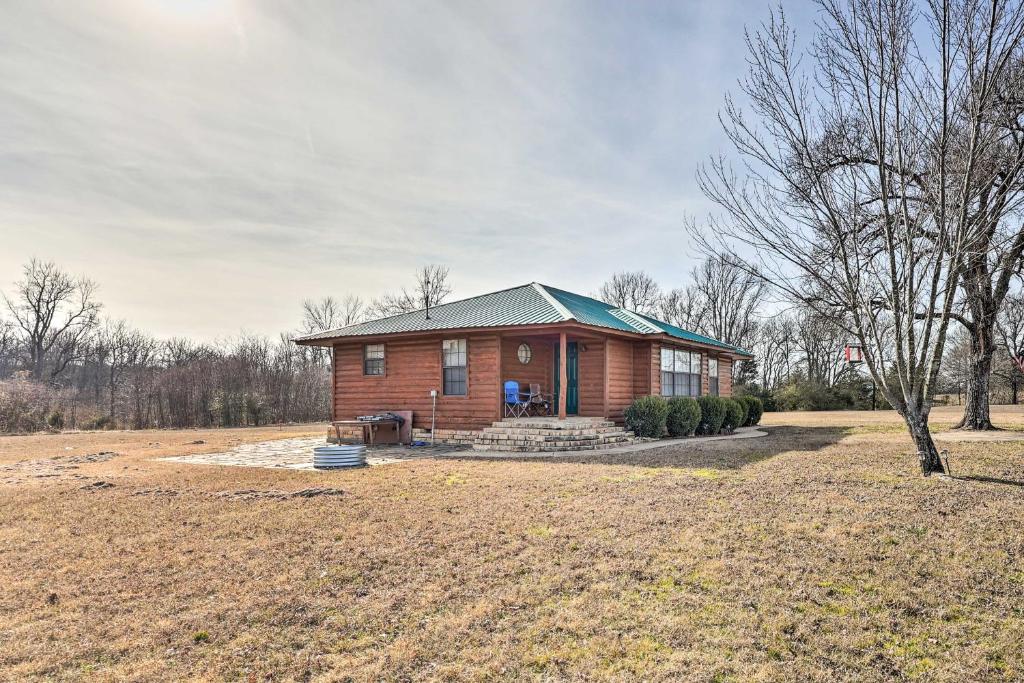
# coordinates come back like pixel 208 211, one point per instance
pixel 563 374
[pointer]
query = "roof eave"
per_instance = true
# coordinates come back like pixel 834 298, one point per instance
pixel 531 327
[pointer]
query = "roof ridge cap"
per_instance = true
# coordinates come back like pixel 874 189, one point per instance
pixel 643 320
pixel 549 297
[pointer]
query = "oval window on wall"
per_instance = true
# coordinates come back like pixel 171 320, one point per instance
pixel 525 353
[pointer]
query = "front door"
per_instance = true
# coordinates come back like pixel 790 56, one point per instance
pixel 572 372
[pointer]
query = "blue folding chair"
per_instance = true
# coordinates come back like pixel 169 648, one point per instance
pixel 515 403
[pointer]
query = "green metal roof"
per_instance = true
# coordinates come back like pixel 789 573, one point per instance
pixel 532 304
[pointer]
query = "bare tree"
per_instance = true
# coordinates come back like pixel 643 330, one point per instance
pixel 121 348
pixel 776 347
pixel 634 291
pixel 327 313
pixel 859 189
pixel 8 348
pixel 1010 328
pixel 956 364
pixel 55 312
pixel 681 309
pixel 994 256
pixel 729 298
pixel 819 343
pixel 431 289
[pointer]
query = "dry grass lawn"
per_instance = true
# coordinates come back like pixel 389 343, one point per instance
pixel 816 553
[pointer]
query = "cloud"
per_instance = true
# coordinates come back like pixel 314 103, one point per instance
pixel 211 168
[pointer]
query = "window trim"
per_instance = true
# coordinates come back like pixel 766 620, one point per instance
pixel 465 341
pixel 383 360
pixel 688 375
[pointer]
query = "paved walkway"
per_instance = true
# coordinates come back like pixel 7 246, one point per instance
pixel 297 454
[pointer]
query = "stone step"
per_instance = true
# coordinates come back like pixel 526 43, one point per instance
pixel 534 431
pixel 592 435
pixel 553 438
pixel 549 449
pixel 551 423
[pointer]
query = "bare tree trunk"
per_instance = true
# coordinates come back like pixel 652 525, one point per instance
pixel 926 451
pixel 977 414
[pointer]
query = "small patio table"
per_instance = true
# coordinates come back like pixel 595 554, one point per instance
pixel 369 428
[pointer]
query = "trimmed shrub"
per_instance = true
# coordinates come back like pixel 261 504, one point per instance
pixel 755 408
pixel 746 412
pixel 683 416
pixel 647 417
pixel 712 415
pixel 734 415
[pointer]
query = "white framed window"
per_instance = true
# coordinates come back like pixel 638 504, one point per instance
pixel 680 372
pixel 713 376
pixel 373 359
pixel 453 367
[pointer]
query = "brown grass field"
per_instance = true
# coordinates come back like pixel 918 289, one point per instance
pixel 817 553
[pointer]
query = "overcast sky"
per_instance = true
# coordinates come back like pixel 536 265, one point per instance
pixel 211 163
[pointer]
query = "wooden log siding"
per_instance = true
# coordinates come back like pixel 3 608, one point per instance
pixel 655 363
pixel 612 373
pixel 620 377
pixel 412 367
pixel 724 377
pixel 537 371
pixel 591 378
pixel 645 370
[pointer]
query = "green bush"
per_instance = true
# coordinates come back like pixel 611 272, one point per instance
pixel 683 416
pixel 99 422
pixel 712 415
pixel 647 417
pixel 55 420
pixel 746 412
pixel 735 415
pixel 755 408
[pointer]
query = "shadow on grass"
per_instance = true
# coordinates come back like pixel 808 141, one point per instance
pixel 726 454
pixel 987 480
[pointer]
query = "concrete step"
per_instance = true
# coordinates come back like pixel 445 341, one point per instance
pixel 567 433
pixel 515 437
pixel 553 438
pixel 553 423
pixel 547 449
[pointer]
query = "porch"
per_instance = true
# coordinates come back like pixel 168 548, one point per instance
pixel 537 435
pixel 570 370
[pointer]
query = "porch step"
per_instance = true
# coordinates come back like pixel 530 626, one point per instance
pixel 547 435
pixel 463 437
pixel 488 437
pixel 571 448
pixel 553 423
pixel 528 431
pixel 536 436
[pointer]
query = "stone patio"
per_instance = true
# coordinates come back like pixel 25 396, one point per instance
pixel 297 454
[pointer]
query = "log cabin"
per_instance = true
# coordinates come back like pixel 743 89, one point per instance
pixel 449 365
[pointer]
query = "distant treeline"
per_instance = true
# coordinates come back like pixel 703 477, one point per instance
pixel 64 365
